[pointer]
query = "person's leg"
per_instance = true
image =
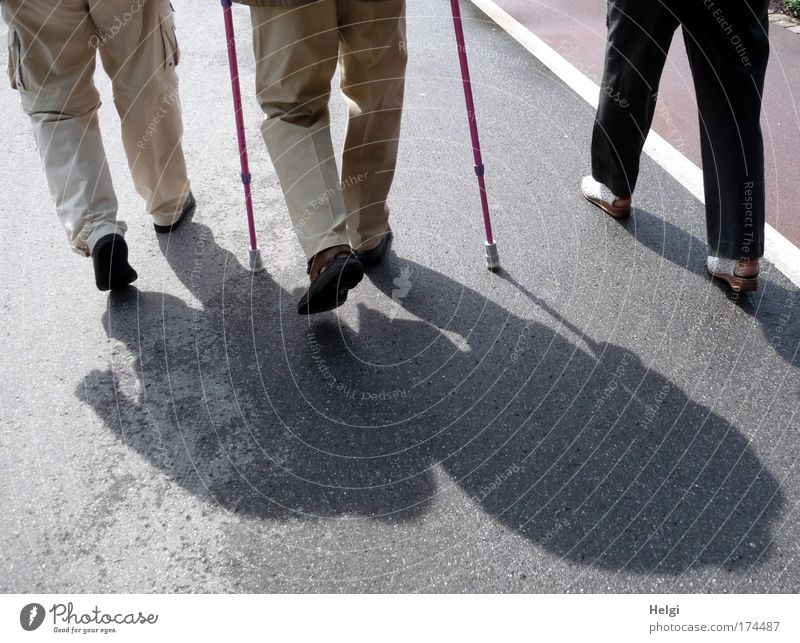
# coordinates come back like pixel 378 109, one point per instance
pixel 139 51
pixel 639 36
pixel 728 49
pixel 51 64
pixel 373 67
pixel 296 52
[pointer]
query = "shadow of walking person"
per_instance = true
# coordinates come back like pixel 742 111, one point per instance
pixel 212 397
pixel 572 443
pixel 579 447
pixel 775 306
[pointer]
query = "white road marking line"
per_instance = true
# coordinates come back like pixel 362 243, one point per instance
pixel 783 254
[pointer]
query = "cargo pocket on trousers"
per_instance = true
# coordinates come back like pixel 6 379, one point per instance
pixel 15 61
pixel 172 52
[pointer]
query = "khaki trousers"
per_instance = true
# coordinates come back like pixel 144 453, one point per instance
pixel 52 52
pixel 297 50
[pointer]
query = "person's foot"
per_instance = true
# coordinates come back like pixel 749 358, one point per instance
pixel 741 276
pixel 598 194
pixel 186 213
pixel 111 268
pixel 333 272
pixel 371 258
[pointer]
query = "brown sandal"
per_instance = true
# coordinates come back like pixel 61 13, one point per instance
pixel 726 270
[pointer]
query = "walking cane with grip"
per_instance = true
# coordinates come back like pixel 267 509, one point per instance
pixel 256 265
pixel 490 248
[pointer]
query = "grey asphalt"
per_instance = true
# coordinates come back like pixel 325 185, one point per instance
pixel 597 417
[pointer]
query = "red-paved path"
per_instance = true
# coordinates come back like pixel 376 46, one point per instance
pixel 576 29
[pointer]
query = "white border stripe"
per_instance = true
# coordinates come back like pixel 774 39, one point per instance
pixel 783 254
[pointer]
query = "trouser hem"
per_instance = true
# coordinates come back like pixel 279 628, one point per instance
pixel 99 231
pixel 171 217
pixel 733 250
pixel 330 241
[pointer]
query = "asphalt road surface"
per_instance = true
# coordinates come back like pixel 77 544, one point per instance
pixel 597 417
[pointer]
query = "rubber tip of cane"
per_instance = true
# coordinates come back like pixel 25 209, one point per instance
pixel 492 255
pixel 256 265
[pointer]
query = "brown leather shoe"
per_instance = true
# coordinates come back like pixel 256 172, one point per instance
pixel 333 272
pixel 741 276
pixel 618 207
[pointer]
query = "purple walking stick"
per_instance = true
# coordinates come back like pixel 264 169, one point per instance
pixel 256 264
pixel 492 256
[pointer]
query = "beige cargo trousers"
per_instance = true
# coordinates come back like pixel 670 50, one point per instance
pixel 297 49
pixel 52 51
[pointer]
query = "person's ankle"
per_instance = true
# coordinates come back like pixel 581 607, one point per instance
pixel 325 258
pixel 747 268
pixel 622 202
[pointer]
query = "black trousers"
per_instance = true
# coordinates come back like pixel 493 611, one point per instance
pixel 728 47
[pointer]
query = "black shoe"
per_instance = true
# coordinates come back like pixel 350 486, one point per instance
pixel 188 211
pixel 329 289
pixel 371 258
pixel 111 268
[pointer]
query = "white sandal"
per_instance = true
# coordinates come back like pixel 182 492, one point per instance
pixel 598 194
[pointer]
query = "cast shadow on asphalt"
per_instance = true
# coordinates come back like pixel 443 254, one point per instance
pixel 773 306
pixel 548 435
